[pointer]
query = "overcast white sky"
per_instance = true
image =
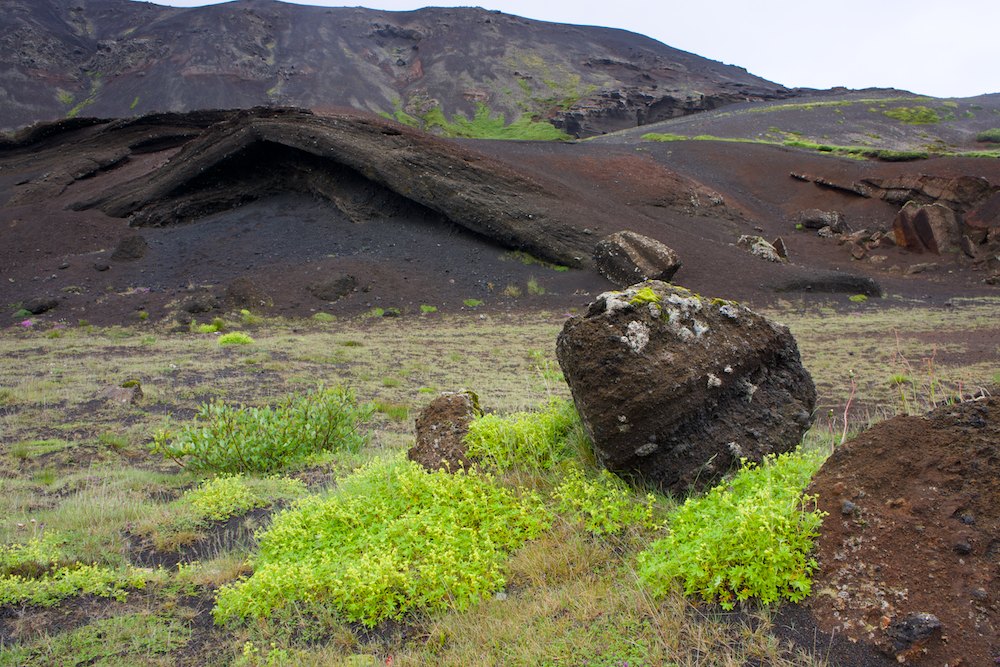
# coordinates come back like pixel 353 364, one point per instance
pixel 945 48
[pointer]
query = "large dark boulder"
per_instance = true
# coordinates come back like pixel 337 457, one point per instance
pixel 626 258
pixel 674 388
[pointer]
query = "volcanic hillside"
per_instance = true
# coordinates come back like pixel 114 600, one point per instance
pixel 116 58
pixel 289 212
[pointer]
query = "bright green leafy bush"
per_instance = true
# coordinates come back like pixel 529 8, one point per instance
pixel 748 538
pixel 532 440
pixel 473 303
pixel 604 504
pixel 225 496
pixel 235 338
pixel 70 581
pixel 37 572
pixel 245 439
pixel 32 558
pixel 389 539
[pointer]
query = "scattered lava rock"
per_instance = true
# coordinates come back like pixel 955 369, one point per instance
pixel 41 304
pixel 814 218
pixel 923 541
pixel 128 393
pixel 203 302
pixel 333 288
pixel 245 292
pixel 130 248
pixel 675 389
pixel 832 282
pixel 626 258
pixel 441 429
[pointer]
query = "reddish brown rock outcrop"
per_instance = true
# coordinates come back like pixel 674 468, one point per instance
pixel 912 537
pixel 932 228
pixel 441 430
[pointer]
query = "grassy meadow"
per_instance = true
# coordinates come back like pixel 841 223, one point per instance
pixel 113 554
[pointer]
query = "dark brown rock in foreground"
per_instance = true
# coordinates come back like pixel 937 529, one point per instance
pixel 441 429
pixel 674 388
pixel 626 258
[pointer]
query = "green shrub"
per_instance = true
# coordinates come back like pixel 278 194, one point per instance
pixel 532 440
pixel 70 581
pixel 248 318
pixel 748 538
pixel 226 496
pixel 604 504
pixel 389 539
pixel 473 303
pixel 427 310
pixel 992 135
pixel 235 338
pixel 217 324
pixel 324 317
pixel 534 287
pixel 32 558
pixel 918 115
pixel 858 298
pixel 246 439
pixel 37 572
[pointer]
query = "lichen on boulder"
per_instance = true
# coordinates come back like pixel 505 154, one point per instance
pixel 674 388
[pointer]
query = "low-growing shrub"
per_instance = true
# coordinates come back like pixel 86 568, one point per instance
pixel 918 115
pixel 990 136
pixel 37 572
pixel 604 504
pixel 235 338
pixel 532 440
pixel 389 539
pixel 246 439
pixel 225 496
pixel 473 303
pixel 748 538
pixel 426 309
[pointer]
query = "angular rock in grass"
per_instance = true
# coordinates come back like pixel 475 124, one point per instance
pixel 814 218
pixel 674 388
pixel 626 257
pixel 441 429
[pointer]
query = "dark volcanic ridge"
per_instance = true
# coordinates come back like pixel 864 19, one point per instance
pixel 289 212
pixel 114 58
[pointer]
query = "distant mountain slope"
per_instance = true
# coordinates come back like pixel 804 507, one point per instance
pixel 115 58
pixel 877 119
